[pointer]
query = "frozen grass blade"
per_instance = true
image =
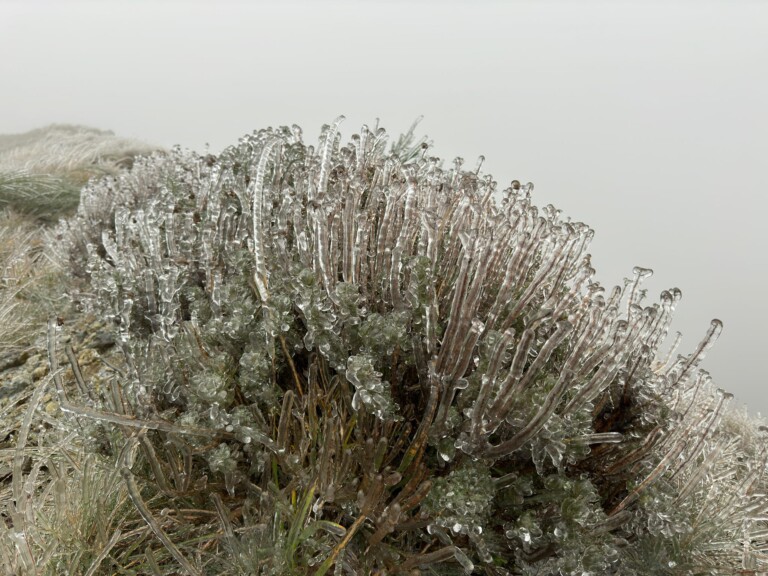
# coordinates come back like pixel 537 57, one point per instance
pixel 135 495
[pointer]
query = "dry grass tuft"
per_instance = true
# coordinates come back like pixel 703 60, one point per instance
pixel 29 281
pixel 42 171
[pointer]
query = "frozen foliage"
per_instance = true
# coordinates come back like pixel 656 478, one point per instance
pixel 42 171
pixel 67 150
pixel 353 360
pixel 27 283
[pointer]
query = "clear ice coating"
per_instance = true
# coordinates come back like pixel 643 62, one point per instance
pixel 370 391
pixel 361 322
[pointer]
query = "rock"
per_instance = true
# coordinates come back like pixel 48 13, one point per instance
pixel 101 341
pixel 13 359
pixel 39 372
pixel 18 383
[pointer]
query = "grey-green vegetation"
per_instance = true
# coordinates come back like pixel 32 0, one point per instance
pixel 353 360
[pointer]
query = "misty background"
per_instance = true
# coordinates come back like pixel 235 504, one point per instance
pixel 647 120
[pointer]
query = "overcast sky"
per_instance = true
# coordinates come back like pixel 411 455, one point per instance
pixel 647 120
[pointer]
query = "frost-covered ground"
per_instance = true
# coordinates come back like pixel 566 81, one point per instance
pixel 42 171
pixel 67 150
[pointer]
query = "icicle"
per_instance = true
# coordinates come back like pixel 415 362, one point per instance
pixel 454 319
pixel 592 388
pixel 349 221
pixel 655 474
pixel 322 256
pixel 640 274
pixel 535 424
pixel 382 233
pixel 504 397
pixel 487 383
pixel 664 365
pixel 651 440
pixel 555 261
pixel 588 333
pixel 599 438
pixel 713 422
pixel 401 245
pixel 715 328
pixel 696 477
pixel 563 329
pixel 258 212
pixel 325 157
pixel 668 301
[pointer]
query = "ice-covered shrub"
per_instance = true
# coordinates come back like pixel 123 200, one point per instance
pixel 360 361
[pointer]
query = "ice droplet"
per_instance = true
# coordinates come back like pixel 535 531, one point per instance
pixel 464 560
pixel 229 481
pixel 446 449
